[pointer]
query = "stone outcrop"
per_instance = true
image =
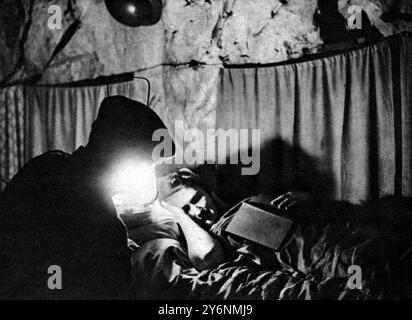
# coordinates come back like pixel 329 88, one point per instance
pixel 210 32
pixel 182 54
pixel 207 31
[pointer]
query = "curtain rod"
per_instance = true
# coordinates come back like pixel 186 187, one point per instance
pixel 103 80
pixel 317 56
pixel 99 81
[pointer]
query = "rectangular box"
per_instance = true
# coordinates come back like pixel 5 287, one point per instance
pixel 257 225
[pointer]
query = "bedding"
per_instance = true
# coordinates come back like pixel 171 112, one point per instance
pixel 314 264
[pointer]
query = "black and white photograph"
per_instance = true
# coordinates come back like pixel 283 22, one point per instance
pixel 206 155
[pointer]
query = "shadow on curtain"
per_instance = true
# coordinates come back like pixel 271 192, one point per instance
pixel 36 119
pixel 334 126
pixel 338 126
pixel 60 118
pixel 405 111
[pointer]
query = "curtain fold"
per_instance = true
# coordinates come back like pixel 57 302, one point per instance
pixel 327 126
pixel 406 114
pixel 339 126
pixel 12 133
pixel 36 119
pixel 60 118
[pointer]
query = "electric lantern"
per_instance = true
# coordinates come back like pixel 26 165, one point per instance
pixel 134 13
pixel 134 187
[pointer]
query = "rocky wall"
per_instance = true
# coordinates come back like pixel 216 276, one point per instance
pixel 182 54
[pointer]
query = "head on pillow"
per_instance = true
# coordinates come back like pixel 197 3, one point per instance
pixel 185 191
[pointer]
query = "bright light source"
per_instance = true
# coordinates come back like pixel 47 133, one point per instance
pixel 134 187
pixel 131 8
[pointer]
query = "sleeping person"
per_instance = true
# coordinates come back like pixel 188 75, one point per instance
pixel 173 235
pixel 61 236
pixel 178 235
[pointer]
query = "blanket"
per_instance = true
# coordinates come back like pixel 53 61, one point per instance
pixel 317 262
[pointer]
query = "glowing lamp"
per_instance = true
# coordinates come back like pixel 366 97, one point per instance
pixel 134 13
pixel 134 187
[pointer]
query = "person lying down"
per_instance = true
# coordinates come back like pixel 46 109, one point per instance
pixel 57 213
pixel 176 235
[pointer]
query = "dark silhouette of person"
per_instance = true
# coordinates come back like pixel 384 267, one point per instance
pixel 58 211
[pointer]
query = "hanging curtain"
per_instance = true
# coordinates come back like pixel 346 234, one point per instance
pixel 327 126
pixel 60 118
pixel 405 88
pixel 12 133
pixel 36 119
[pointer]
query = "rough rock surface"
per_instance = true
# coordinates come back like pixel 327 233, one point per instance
pixel 267 31
pixel 182 54
pixel 211 32
pixel 206 32
pixel 12 22
pixel 101 46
